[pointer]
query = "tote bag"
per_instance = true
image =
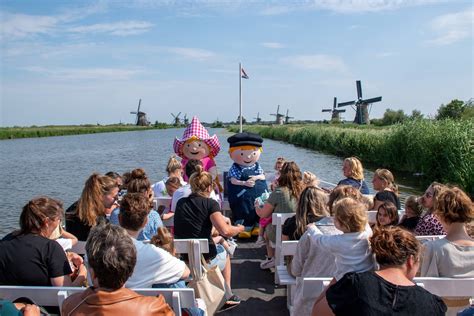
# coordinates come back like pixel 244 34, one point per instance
pixel 210 287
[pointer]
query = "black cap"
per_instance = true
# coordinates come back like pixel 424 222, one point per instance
pixel 242 139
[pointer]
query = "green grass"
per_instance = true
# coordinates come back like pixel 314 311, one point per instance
pixel 47 131
pixel 440 150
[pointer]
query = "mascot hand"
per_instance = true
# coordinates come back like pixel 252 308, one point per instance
pixel 249 183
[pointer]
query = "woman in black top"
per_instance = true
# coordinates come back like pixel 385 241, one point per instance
pixel 29 257
pixel 99 193
pixel 384 183
pixel 195 216
pixel 389 291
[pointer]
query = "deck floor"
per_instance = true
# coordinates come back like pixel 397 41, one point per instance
pixel 254 286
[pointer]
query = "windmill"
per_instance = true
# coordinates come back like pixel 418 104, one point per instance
pixel 140 116
pixel 361 105
pixel 186 120
pixel 287 118
pixel 257 119
pixel 335 112
pixel 176 119
pixel 278 117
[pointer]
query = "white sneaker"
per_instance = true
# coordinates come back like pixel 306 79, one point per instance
pixel 260 241
pixel 232 246
pixel 268 263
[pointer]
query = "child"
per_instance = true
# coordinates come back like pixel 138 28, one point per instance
pixel 387 215
pixel 351 248
pixel 273 178
pixel 412 215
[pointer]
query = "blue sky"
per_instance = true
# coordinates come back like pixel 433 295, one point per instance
pixel 78 62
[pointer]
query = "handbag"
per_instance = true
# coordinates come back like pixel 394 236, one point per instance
pixel 210 287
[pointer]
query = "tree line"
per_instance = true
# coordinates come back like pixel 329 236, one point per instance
pixel 456 109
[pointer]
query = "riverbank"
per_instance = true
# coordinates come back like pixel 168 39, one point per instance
pixel 437 150
pixel 62 130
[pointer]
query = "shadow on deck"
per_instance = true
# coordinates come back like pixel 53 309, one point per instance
pixel 255 287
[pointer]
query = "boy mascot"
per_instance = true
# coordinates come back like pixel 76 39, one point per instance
pixel 197 144
pixel 246 180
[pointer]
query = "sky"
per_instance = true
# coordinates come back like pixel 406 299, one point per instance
pixel 88 62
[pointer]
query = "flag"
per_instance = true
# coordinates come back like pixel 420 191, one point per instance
pixel 243 74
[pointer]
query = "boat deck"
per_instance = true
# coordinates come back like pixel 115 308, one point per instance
pixel 254 286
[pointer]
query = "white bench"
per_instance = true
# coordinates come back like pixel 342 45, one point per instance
pixel 447 287
pixel 54 296
pixel 278 219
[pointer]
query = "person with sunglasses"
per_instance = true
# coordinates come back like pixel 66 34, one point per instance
pixel 429 223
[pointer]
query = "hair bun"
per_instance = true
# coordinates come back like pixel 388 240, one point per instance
pixel 199 169
pixel 139 173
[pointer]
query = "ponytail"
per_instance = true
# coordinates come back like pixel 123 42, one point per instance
pixel 36 211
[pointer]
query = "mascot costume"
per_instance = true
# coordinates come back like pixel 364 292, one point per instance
pixel 246 180
pixel 198 144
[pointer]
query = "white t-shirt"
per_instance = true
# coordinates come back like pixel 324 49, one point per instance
pixel 65 243
pixel 159 188
pixel 352 250
pixel 185 191
pixel 154 266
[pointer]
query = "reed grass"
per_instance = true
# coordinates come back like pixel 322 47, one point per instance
pixel 439 150
pixel 47 131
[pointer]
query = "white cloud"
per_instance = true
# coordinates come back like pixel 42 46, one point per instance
pixel 452 27
pixel 316 62
pixel 191 53
pixel 274 45
pixel 85 73
pixel 342 6
pixel 18 26
pixel 119 28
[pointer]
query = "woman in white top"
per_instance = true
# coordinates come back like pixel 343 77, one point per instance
pixel 173 169
pixel 452 256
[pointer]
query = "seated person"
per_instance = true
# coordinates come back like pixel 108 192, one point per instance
pixel 154 265
pixel 354 173
pixel 412 214
pixel 389 291
pixel 384 183
pixel 112 257
pixel 139 183
pixel 29 257
pixel 387 215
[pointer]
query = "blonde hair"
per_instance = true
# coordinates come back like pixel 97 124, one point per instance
pixel 454 206
pixel 90 205
pixel 343 191
pixel 386 176
pixel 310 179
pixel 351 215
pixel 164 240
pixel 357 171
pixel 245 147
pixel 200 181
pixel 173 165
pixel 312 202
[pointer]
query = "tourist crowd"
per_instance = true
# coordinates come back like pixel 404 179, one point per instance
pixel 128 246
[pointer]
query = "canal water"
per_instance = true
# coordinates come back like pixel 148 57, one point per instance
pixel 59 166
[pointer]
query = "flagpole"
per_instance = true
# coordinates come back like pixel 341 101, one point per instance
pixel 240 96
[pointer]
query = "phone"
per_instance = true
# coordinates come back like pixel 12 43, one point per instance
pixel 239 222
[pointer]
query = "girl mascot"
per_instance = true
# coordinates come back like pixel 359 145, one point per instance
pixel 246 180
pixel 198 144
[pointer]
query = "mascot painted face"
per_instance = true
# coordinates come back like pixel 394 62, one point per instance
pixel 198 144
pixel 246 180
